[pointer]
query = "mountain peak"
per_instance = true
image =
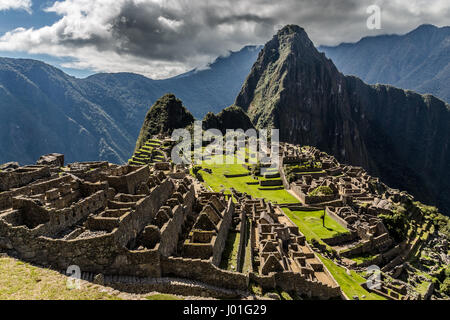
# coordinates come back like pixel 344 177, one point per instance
pixel 167 114
pixel 296 89
pixel 293 33
pixel 291 29
pixel 287 63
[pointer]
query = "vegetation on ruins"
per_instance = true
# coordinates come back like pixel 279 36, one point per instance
pixel 166 114
pixel 285 295
pixel 196 172
pixel 441 222
pixel 229 256
pixel 321 191
pixel 397 224
pixel 290 174
pixel 350 282
pixel 255 288
pixel 150 153
pixel 445 286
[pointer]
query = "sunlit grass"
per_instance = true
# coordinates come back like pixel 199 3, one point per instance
pixel 22 281
pixel 218 182
pixel 350 284
pixel 310 224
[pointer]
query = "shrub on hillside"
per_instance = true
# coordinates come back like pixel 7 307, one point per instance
pixel 397 225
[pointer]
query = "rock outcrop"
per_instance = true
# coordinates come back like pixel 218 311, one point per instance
pixel 401 136
pixel 166 115
pixel 230 118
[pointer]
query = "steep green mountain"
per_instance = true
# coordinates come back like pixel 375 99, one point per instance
pixel 44 110
pixel 418 60
pixel 166 115
pixel 398 135
pixel 229 118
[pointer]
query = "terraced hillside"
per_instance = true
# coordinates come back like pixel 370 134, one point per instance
pixel 236 177
pixel 152 151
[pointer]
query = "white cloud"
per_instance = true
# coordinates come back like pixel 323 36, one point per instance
pixel 15 5
pixel 161 38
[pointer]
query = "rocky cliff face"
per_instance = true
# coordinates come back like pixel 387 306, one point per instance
pixel 166 115
pixel 401 136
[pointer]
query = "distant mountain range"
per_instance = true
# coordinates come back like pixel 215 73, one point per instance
pixel 418 60
pixel 398 135
pixel 42 109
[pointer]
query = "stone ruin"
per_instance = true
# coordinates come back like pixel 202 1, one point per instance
pixel 148 228
pixel 356 202
pixel 280 256
pixel 154 228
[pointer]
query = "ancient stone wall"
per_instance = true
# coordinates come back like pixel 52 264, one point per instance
pixel 171 230
pixel 220 241
pixel 291 281
pixel 271 183
pixel 338 219
pixel 22 176
pixel 342 238
pixel 129 182
pixel 244 235
pixel 204 271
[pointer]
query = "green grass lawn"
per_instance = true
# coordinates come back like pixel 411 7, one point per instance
pixel 218 182
pixel 350 284
pixel 310 224
pixel 161 296
pixel 247 268
pixel 363 258
pixel 229 256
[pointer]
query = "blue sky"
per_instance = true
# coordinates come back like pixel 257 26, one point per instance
pixel 164 38
pixel 12 19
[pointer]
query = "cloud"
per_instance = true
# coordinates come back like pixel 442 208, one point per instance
pixel 16 5
pixel 161 38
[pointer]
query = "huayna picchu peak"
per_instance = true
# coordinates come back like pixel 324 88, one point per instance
pixel 398 135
